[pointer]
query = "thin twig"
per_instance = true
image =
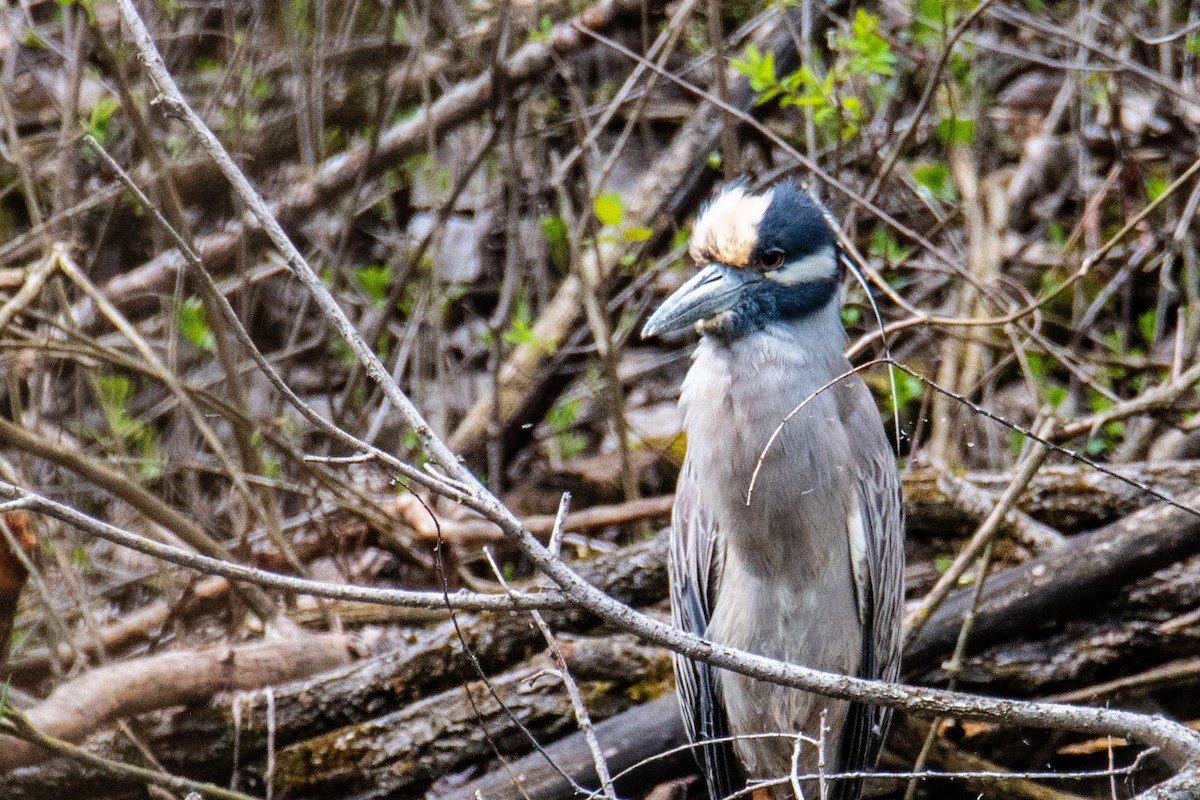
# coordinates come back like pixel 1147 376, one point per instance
pixel 1178 744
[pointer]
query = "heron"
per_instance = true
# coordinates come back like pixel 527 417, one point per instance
pixel 787 535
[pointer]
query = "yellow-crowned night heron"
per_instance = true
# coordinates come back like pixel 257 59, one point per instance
pixel 808 569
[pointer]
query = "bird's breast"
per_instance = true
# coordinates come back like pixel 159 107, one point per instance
pixel 778 481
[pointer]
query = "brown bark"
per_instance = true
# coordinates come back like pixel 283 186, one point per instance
pixel 426 661
pixel 1061 583
pixel 628 739
pixel 403 752
pixel 1068 497
pixel 105 694
pixel 1132 629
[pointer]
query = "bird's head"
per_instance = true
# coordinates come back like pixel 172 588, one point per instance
pixel 763 258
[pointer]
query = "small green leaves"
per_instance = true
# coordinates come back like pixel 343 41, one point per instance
pixel 908 388
pixel 869 53
pixel 885 246
pixel 839 98
pixel 934 177
pixel 1147 322
pixel 554 230
pixel 96 125
pixel 953 130
pixel 759 69
pixel 608 207
pixel 1155 186
pixel 194 325
pixel 521 331
pixel 544 28
pixel 561 419
pixel 400 27
pixel 114 393
pixel 374 279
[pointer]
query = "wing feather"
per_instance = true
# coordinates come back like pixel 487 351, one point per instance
pixel 877 547
pixel 695 576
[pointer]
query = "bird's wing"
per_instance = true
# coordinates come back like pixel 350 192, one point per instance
pixel 695 575
pixel 875 528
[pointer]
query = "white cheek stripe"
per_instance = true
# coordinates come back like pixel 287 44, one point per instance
pixel 817 266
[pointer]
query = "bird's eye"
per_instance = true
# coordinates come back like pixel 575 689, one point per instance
pixel 772 259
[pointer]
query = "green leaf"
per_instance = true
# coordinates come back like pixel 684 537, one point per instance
pixel 194 325
pixel 608 208
pixel 96 124
pixel 544 28
pixel 114 392
pixel 554 229
pixel 400 28
pixel 869 53
pixel 563 415
pixel 908 388
pixel 1055 395
pixel 561 419
pixel 885 246
pixel 758 67
pixel 935 177
pixel 953 130
pixel 340 349
pixel 638 234
pixel 521 331
pixel 1146 321
pixel 1155 186
pixel 374 278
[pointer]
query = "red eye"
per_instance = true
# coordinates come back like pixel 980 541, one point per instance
pixel 772 259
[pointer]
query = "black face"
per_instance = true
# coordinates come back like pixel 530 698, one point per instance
pixel 791 270
pixel 791 231
pixel 792 228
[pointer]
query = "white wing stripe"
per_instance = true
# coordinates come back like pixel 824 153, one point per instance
pixel 857 532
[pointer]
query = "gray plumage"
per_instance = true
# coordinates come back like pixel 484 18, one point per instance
pixel 810 571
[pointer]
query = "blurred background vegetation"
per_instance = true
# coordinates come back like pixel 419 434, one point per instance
pixel 497 192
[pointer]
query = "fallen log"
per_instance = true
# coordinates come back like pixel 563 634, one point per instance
pixel 106 694
pixel 196 741
pixel 1060 583
pixel 405 751
pixel 649 741
pixel 1143 625
pixel 193 741
pixel 635 740
pixel 1068 497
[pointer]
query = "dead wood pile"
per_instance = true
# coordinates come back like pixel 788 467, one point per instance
pixel 494 195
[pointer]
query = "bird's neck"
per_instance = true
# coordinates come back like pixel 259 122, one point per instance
pixel 759 377
pixel 767 404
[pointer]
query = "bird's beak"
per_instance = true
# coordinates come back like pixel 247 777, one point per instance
pixel 710 291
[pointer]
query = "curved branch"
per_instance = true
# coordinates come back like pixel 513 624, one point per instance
pixel 1178 744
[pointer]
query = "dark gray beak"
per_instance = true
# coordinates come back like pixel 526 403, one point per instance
pixel 711 291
